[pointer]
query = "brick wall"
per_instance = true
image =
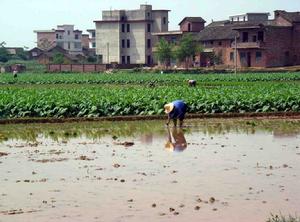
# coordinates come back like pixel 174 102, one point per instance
pixel 77 68
pixel 195 26
pixel 279 48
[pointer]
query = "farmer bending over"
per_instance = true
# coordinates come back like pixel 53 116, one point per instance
pixel 192 83
pixel 176 110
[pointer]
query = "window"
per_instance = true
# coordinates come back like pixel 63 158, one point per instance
pixel 94 45
pixel 231 56
pixel 69 45
pixel 123 60
pixel 128 27
pixel 123 43
pixel 128 43
pixel 254 38
pixel 148 14
pixel 189 27
pixel 69 32
pixel 123 27
pixel 164 20
pixel 93 34
pixel 148 27
pixel 128 59
pixel 76 36
pixel 258 56
pixel 34 54
pixel 77 45
pixel 148 43
pixel 211 42
pixel 220 43
pixel 56 36
pixel 260 36
pixel 245 36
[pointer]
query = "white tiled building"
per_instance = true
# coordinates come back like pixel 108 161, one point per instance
pixel 124 36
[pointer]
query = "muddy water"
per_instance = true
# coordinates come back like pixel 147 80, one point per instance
pixel 212 170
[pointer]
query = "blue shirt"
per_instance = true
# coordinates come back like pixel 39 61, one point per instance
pixel 179 110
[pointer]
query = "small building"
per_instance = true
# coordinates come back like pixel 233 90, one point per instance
pixel 46 56
pixel 14 50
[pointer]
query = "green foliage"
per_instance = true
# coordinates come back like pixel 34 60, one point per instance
pixel 58 58
pixel 93 101
pixel 216 58
pixel 92 59
pixel 4 56
pixel 187 48
pixel 164 51
pixel 280 218
pixel 136 77
pixel 32 66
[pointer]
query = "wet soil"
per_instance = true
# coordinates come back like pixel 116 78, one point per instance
pixel 211 170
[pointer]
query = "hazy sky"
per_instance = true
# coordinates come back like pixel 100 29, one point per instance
pixel 18 18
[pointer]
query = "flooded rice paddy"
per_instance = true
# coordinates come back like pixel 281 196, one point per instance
pixel 211 170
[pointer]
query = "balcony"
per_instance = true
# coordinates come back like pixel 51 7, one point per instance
pixel 248 45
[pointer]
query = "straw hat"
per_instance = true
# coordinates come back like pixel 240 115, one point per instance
pixel 169 146
pixel 169 107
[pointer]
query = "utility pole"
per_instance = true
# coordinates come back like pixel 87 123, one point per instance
pixel 235 55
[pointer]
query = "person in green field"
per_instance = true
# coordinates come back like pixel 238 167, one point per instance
pixel 176 110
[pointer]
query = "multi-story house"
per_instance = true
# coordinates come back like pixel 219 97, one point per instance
pixel 64 36
pixel 124 36
pixel 254 39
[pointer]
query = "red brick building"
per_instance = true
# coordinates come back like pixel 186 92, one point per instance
pixel 260 42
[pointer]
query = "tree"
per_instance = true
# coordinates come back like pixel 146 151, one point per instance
pixel 4 56
pixel 164 52
pixel 216 58
pixel 58 58
pixel 187 49
pixel 2 44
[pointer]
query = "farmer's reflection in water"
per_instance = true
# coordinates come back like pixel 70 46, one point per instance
pixel 176 140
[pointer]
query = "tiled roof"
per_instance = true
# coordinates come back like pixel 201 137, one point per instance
pixel 218 23
pixel 192 19
pixel 216 33
pixel 290 16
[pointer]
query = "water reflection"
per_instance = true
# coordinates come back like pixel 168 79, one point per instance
pixel 176 140
pixel 145 130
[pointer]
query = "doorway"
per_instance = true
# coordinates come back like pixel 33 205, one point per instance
pixel 249 59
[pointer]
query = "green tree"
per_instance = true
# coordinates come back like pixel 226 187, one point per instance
pixel 4 56
pixel 58 58
pixel 187 49
pixel 164 52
